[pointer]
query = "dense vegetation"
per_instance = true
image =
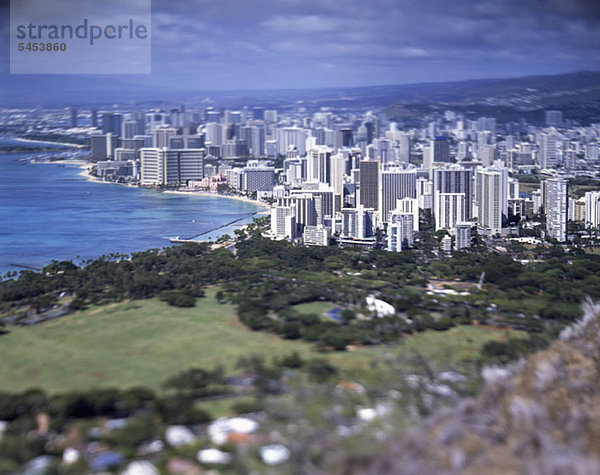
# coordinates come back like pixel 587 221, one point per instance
pixel 266 279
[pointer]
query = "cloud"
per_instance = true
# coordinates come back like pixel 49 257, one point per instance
pixel 301 24
pixel 294 43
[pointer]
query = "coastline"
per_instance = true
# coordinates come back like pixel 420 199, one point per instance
pixel 245 199
pixel 85 172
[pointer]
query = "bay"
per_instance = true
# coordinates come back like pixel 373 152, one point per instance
pixel 48 211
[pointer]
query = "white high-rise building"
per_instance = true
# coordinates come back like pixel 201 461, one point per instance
pixel 448 209
pixel 424 193
pixel 170 167
pixel 592 209
pixel 491 196
pixel 319 165
pixel 214 133
pixel 278 221
pixel 556 207
pixel 409 206
pixel 547 154
pixel 462 233
pixel 358 223
pixel 400 232
pixel 338 169
pixel 162 136
pixel 304 209
pixel 287 136
pixel 395 184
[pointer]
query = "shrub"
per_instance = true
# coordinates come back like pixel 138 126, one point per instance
pixel 320 370
pixel 178 298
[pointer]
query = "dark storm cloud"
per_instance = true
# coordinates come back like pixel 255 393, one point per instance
pixel 274 44
pixel 297 43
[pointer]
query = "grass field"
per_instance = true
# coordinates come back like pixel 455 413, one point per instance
pixel 142 343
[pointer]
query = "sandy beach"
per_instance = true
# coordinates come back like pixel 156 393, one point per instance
pixel 217 195
pixel 85 172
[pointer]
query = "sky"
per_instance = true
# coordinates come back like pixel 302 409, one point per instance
pixel 266 44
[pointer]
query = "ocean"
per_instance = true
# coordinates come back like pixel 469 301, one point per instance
pixel 48 211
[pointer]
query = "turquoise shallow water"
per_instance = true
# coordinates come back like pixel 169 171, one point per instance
pixel 48 211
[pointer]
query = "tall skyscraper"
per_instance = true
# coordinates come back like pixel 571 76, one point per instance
pixel 319 165
pixel 491 197
pixel 112 123
pixel 440 150
pixel 162 136
pixel 556 207
pixel 254 137
pixel 455 180
pixel 395 184
pixel 215 133
pixel 547 151
pixel 338 169
pixel 449 209
pixel 369 184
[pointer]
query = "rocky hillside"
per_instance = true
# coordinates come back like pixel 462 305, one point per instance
pixel 539 416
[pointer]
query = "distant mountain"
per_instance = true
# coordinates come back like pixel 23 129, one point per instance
pixel 577 94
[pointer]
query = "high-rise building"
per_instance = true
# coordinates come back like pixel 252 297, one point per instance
pixel 395 184
pixel 548 152
pixel 462 233
pixel 556 207
pixel 319 165
pixel 323 196
pixel 303 205
pixel 400 232
pixel 103 146
pixel 409 206
pixel 455 180
pixel 280 226
pixel 491 196
pixel 287 136
pixel 112 123
pixel 338 168
pixel 358 223
pixel 258 178
pixel 592 209
pixel 439 149
pixel 170 167
pixel 162 136
pixel 215 133
pixel 404 148
pixel 369 184
pixel 254 136
pixel 347 137
pixel 448 209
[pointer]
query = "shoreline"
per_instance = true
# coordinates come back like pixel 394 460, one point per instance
pixel 66 144
pixel 208 194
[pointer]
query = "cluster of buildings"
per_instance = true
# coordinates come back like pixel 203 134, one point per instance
pixel 357 179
